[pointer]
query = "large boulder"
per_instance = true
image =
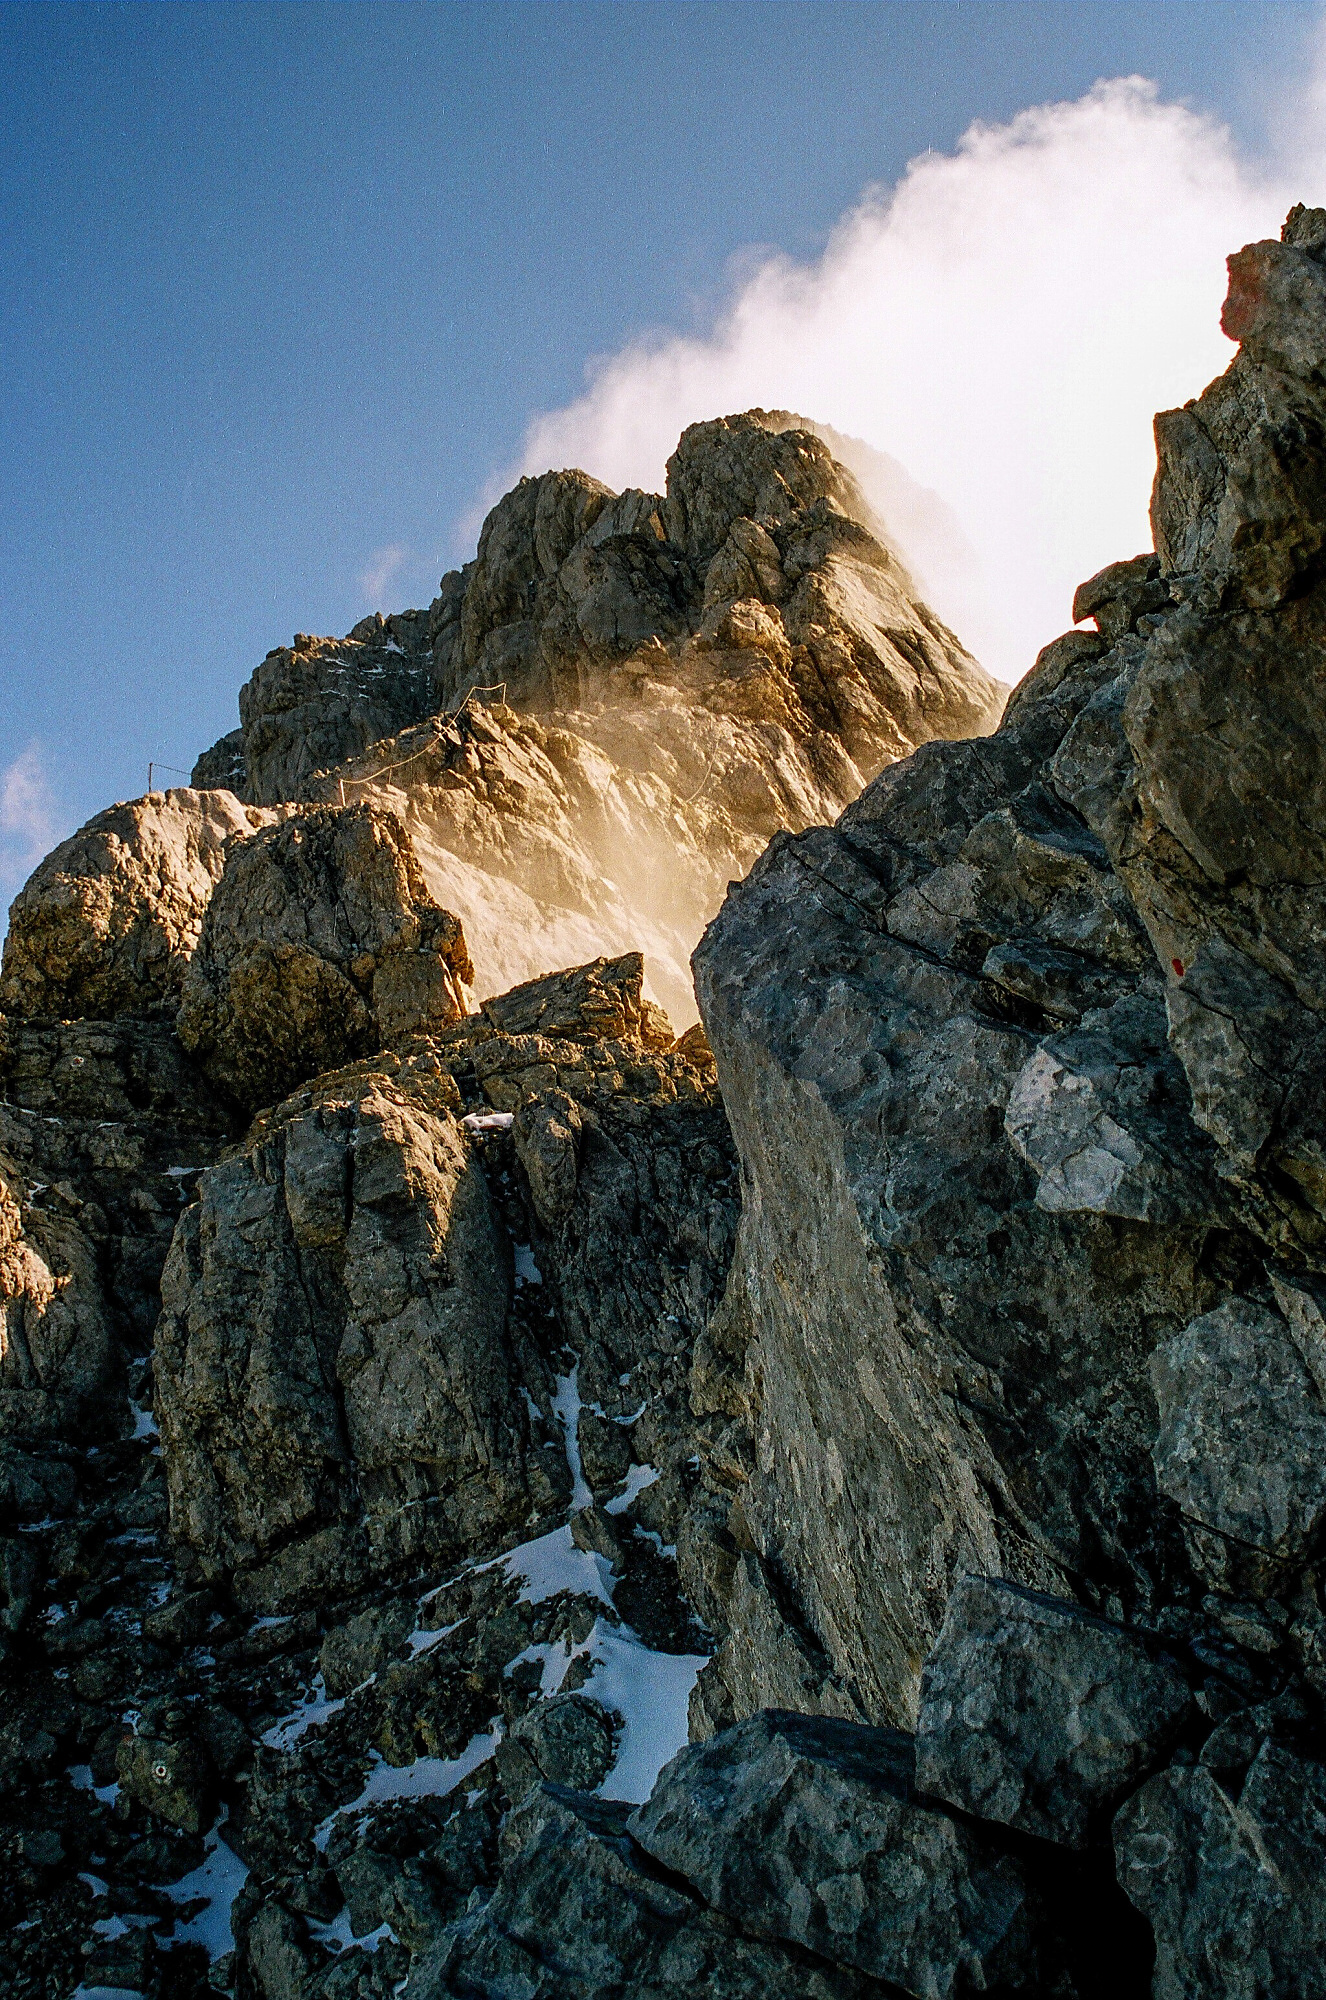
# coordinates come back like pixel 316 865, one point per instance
pixel 579 1912
pixel 1038 1715
pixel 107 923
pixel 1021 1062
pixel 321 943
pixel 807 1830
pixel 334 1387
pixel 1233 1881
pixel 1242 1444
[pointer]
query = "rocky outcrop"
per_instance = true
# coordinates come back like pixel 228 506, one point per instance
pixel 354 1307
pixel 321 943
pixel 987 1048
pixel 604 717
pixel 320 701
pixel 980 1410
pixel 1021 1060
pixel 104 1128
pixel 335 1390
pixel 108 921
pixel 56 1352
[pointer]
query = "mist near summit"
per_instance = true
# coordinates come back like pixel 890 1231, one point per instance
pixel 1002 323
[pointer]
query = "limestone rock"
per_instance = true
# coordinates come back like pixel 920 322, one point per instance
pixel 104 1126
pixel 222 768
pixel 599 1002
pixel 56 1348
pixel 1038 1715
pixel 804 1829
pixel 170 1775
pixel 1232 1882
pixel 568 1741
pixel 322 700
pixel 322 942
pixel 626 696
pixel 108 921
pixel 334 1388
pixel 579 1913
pixel 1024 1061
pixel 1242 1443
pixel 353 1652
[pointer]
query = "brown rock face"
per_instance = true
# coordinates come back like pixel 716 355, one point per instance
pixel 107 922
pixel 320 944
pixel 103 1128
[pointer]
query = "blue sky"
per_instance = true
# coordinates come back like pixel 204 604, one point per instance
pixel 283 287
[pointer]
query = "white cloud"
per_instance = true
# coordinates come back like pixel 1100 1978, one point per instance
pixel 378 572
pixel 30 819
pixel 1005 321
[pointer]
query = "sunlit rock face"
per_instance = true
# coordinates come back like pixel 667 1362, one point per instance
pixel 603 719
pixel 1024 1059
pixel 107 923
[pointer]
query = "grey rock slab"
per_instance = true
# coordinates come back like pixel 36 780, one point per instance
pixel 803 1828
pixel 1233 1883
pixel 1242 1442
pixel 569 1740
pixel 581 1914
pixel 1039 1715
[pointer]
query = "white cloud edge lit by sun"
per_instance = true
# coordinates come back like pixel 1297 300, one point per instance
pixel 31 822
pixel 382 566
pixel 1005 320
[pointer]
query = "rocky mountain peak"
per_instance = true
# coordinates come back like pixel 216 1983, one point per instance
pixel 831 1502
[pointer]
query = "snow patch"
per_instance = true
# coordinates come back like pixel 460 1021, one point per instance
pixel 426 1778
pixel 527 1271
pixel 315 1708
pixel 651 1692
pixel 637 1479
pixel 220 1877
pixel 554 1563
pixel 488 1121
pixel 566 1405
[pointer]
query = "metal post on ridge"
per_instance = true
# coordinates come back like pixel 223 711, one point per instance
pixel 155 764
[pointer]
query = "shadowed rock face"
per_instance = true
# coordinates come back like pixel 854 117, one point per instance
pixel 1023 1061
pixel 809 1830
pixel 104 1128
